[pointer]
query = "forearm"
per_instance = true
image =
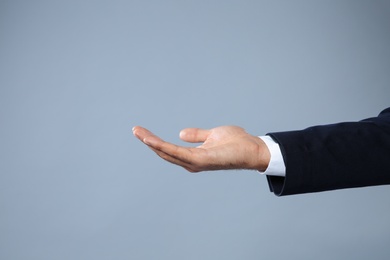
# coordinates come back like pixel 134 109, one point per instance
pixel 337 156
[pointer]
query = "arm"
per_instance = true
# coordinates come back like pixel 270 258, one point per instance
pixel 344 155
pixel 337 156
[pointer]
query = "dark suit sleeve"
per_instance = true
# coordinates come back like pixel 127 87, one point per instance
pixel 337 156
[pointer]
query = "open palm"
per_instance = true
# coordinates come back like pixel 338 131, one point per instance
pixel 225 147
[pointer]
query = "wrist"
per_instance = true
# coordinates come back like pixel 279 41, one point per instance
pixel 263 155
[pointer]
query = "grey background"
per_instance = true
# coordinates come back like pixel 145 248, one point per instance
pixel 75 76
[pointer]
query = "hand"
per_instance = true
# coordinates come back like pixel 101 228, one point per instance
pixel 225 147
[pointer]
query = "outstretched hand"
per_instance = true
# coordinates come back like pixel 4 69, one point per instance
pixel 225 147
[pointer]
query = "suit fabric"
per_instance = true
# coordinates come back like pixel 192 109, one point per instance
pixel 336 156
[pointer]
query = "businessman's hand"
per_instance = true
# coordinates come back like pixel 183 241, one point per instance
pixel 225 147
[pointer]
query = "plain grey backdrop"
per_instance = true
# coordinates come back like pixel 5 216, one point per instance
pixel 76 76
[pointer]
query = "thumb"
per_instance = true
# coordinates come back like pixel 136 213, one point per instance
pixel 194 135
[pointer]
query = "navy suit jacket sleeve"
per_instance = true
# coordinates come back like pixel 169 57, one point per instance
pixel 337 156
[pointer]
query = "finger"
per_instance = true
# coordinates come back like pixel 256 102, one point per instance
pixel 194 135
pixel 178 152
pixel 179 155
pixel 146 136
pixel 167 157
pixel 141 133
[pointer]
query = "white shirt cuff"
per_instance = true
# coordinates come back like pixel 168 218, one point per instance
pixel 276 166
